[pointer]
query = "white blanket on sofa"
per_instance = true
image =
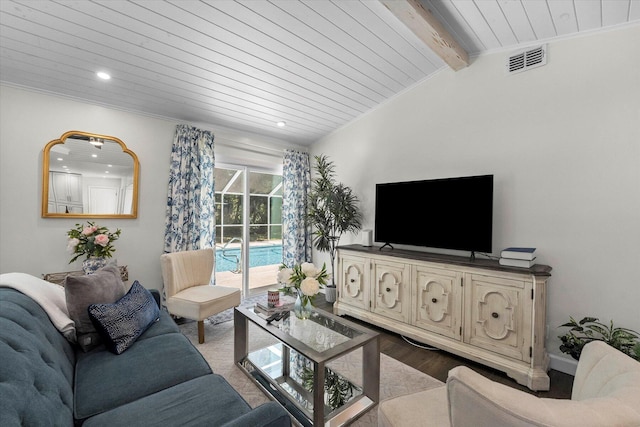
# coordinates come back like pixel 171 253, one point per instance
pixel 50 297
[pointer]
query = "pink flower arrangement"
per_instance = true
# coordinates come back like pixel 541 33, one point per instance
pixel 102 240
pixel 89 230
pixel 91 240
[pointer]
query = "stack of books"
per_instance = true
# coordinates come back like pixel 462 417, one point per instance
pixel 518 257
pixel 286 304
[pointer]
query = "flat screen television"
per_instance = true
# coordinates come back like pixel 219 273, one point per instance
pixel 448 213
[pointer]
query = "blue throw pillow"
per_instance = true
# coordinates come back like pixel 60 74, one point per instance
pixel 122 322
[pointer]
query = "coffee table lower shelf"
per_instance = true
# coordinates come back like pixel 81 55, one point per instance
pixel 296 367
pixel 278 371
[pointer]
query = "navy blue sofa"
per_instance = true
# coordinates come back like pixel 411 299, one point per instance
pixel 161 379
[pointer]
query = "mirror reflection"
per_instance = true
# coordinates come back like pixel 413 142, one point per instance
pixel 89 175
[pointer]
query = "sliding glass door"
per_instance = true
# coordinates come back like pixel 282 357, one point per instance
pixel 248 227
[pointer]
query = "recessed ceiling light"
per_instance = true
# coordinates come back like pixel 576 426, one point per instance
pixel 94 155
pixel 281 124
pixel 60 158
pixel 103 75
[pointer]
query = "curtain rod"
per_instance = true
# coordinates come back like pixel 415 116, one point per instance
pixel 258 149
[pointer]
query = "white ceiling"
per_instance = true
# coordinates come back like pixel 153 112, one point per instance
pixel 246 65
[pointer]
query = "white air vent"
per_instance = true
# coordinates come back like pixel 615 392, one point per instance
pixel 525 60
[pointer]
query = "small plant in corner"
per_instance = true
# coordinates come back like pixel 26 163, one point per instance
pixel 590 329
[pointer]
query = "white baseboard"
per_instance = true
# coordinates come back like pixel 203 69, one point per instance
pixel 563 364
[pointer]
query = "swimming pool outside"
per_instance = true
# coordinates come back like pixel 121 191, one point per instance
pixel 229 259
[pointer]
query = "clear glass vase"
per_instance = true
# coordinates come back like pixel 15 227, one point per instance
pixel 302 307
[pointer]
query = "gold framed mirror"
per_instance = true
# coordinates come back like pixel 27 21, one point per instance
pixel 87 175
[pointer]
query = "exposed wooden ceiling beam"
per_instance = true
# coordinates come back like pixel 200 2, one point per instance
pixel 424 25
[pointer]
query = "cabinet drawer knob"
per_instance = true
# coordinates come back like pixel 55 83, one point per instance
pixel 494 315
pixel 434 300
pixel 388 289
pixel 352 280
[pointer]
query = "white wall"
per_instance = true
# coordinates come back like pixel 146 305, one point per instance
pixel 563 143
pixel 35 245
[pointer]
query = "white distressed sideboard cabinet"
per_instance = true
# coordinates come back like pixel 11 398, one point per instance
pixel 477 309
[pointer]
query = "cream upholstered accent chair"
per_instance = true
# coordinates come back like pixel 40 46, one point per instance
pixel 606 392
pixel 187 278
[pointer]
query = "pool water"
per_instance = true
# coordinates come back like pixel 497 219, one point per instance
pixel 258 255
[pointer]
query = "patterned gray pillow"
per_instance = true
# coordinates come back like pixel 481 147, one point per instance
pixel 122 322
pixel 102 287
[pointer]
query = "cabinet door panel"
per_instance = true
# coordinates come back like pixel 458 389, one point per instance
pixel 391 294
pixel 65 188
pixel 354 282
pixel 483 311
pixel 497 315
pixel 52 192
pixel 437 301
pixel 60 187
pixel 74 187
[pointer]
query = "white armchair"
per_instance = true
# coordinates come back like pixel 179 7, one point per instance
pixel 187 277
pixel 606 392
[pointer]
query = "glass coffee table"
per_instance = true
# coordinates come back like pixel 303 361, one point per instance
pixel 293 367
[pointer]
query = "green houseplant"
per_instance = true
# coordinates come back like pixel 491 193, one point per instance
pixel 332 211
pixel 590 329
pixel 338 389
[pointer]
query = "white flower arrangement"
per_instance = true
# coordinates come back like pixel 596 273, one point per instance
pixel 304 280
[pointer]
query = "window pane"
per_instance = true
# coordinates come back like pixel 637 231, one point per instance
pixel 218 209
pixel 227 232
pixel 276 232
pixel 231 209
pixel 258 209
pixel 258 233
pixel 236 186
pixel 263 183
pixel 218 234
pixel 222 177
pixel 276 210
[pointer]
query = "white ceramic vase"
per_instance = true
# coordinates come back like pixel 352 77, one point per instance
pixel 93 264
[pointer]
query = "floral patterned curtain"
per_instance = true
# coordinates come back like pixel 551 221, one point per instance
pixel 296 184
pixel 190 222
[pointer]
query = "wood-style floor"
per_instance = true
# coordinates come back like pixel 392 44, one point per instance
pixel 437 363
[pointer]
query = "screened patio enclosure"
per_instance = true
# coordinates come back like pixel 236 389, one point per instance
pixel 248 227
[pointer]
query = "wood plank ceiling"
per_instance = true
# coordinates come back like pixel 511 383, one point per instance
pixel 246 65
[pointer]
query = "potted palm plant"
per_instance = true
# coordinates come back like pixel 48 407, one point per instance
pixel 332 211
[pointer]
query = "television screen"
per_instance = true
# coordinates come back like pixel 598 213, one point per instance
pixel 449 213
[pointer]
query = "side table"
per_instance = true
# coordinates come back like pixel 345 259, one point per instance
pixel 58 278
